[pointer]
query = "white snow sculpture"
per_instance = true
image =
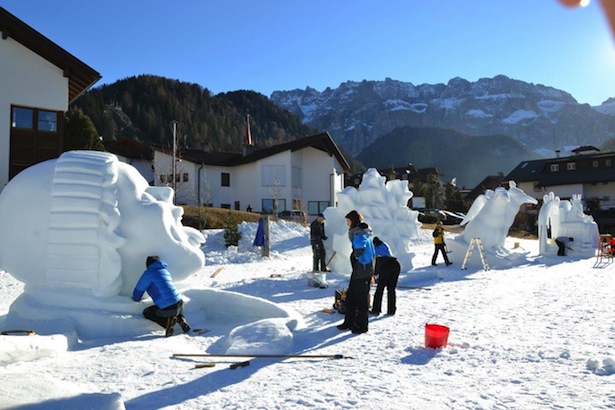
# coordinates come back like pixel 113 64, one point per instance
pixel 88 221
pixel 489 218
pixel 566 218
pixel 384 208
pixel 77 230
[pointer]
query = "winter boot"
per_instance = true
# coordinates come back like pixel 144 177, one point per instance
pixel 182 322
pixel 170 323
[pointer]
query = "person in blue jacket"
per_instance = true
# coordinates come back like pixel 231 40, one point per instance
pixel 168 308
pixel 387 274
pixel 362 261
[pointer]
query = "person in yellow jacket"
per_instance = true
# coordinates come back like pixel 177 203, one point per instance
pixel 438 240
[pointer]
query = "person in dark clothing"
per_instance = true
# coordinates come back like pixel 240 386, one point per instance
pixel 168 305
pixel 381 248
pixel 317 235
pixel 387 273
pixel 362 261
pixel 440 245
pixel 562 244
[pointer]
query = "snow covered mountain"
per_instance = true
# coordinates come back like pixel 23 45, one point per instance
pixel 541 118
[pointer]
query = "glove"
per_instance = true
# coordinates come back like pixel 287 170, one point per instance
pixel 324 238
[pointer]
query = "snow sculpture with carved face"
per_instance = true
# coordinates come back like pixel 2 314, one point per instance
pixel 88 221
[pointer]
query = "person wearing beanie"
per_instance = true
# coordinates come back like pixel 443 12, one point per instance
pixel 362 261
pixel 168 305
pixel 317 236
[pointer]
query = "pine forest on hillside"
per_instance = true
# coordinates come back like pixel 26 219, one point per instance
pixel 144 108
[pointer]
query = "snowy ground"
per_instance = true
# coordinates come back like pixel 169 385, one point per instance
pixel 534 336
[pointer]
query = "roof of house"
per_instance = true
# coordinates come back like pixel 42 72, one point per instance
pixel 527 171
pixel 80 76
pixel 490 182
pixel 130 149
pixel 322 142
pixel 585 148
pixel 539 171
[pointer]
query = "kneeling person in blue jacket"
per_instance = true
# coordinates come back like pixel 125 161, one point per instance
pixel 168 308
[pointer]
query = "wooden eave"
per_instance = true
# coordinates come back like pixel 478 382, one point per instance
pixel 80 76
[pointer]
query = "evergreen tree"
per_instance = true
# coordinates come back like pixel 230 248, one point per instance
pixel 453 200
pixel 231 232
pixel 80 132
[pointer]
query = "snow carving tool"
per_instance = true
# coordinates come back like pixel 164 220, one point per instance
pixel 203 365
pixel 413 287
pixel 240 364
pixel 213 275
pixel 274 356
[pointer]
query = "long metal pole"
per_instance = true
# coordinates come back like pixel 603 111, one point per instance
pixel 284 356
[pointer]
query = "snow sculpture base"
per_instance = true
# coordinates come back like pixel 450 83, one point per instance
pixel 66 312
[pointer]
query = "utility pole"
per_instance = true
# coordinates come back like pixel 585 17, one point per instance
pixel 174 159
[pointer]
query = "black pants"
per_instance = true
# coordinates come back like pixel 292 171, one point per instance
pixel 357 304
pixel 387 269
pixel 561 248
pixel 161 316
pixel 318 252
pixel 439 247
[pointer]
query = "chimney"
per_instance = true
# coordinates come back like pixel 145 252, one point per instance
pixel 556 153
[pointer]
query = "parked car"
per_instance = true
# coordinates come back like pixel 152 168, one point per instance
pixel 294 215
pixel 451 218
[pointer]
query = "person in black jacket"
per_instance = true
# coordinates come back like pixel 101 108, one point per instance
pixel 317 235
pixel 387 273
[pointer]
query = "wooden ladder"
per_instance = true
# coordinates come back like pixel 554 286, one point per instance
pixel 479 244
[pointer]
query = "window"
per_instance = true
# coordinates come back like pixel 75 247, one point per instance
pixel 23 118
pixel 273 175
pixel 317 207
pixel 225 206
pixel 571 166
pixel 269 205
pixel 47 121
pixel 225 179
pixel 34 120
pixel 296 177
pixel 185 177
pixel 237 206
pixel 607 162
pixel 554 167
pixel 595 164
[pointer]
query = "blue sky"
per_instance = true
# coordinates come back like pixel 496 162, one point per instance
pixel 268 45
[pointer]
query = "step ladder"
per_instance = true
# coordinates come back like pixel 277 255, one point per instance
pixel 479 244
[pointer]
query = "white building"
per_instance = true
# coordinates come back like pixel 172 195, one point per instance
pixel 38 80
pixel 304 174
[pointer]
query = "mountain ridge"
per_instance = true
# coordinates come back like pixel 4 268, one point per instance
pixel 542 118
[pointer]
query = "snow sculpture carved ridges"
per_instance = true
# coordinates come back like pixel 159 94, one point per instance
pixel 81 245
pixel 384 206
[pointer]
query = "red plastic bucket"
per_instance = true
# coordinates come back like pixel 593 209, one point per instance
pixel 436 335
